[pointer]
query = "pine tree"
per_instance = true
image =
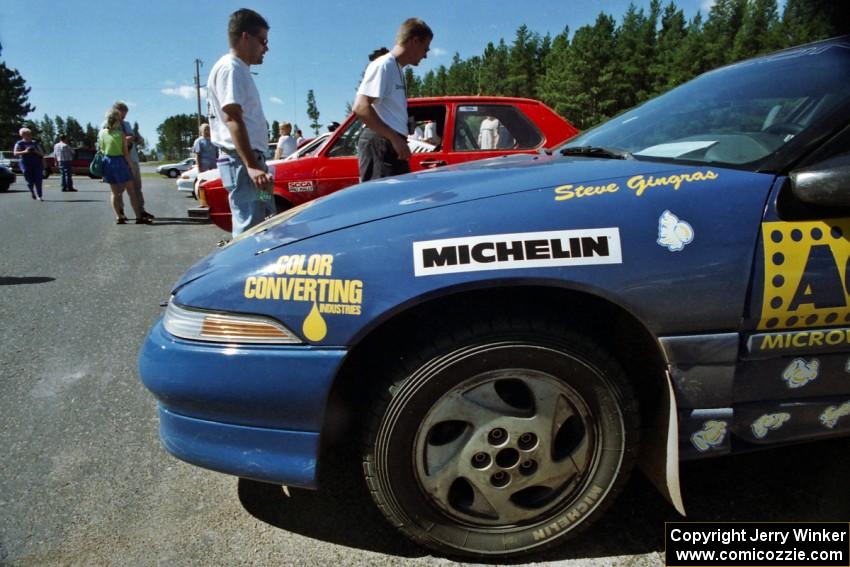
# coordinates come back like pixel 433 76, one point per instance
pixel 670 38
pixel 759 30
pixel 75 133
pixel 313 112
pixel 14 104
pixel 47 133
pixel 522 78
pixel 90 137
pixel 494 70
pixel 275 130
pixel 588 96
pixel 552 84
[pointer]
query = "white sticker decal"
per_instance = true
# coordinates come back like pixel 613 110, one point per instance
pixel 300 186
pixel 467 109
pixel 518 251
pixel 674 234
pixel 832 414
pixel 799 372
pixel 711 435
pixel 769 422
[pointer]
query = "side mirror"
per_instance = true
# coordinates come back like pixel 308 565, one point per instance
pixel 826 184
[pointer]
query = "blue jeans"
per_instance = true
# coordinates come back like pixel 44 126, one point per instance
pixel 246 208
pixel 65 173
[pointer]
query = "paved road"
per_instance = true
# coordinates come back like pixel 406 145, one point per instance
pixel 84 481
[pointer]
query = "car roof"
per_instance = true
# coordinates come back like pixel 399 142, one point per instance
pixel 474 99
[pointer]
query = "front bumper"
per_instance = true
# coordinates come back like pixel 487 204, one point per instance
pixel 251 411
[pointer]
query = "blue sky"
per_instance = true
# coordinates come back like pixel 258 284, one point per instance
pixel 79 57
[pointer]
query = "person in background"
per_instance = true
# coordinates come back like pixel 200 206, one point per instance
pixel 286 144
pixel 112 143
pixel 238 125
pixel 133 157
pixel 203 150
pixel 31 156
pixel 430 134
pixel 64 156
pixel 488 133
pixel 381 104
pixel 299 138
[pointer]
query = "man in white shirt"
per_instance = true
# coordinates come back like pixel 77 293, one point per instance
pixel 286 144
pixel 64 156
pixel 237 123
pixel 381 104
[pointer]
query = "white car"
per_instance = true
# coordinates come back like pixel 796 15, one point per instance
pixel 172 170
pixel 186 181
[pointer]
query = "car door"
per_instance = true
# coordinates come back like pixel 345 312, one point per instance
pixel 794 379
pixel 427 144
pixel 336 164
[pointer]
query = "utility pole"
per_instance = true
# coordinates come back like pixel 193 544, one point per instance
pixel 198 64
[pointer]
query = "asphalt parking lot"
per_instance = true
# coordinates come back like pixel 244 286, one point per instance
pixel 84 480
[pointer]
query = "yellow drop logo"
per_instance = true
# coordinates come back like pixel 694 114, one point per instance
pixel 315 327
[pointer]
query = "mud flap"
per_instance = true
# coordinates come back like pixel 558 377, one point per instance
pixel 659 459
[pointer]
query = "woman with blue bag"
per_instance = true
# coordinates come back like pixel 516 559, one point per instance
pixel 116 170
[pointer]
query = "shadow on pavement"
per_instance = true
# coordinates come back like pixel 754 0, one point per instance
pixel 24 280
pixel 802 483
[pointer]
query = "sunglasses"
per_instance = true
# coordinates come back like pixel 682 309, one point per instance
pixel 263 40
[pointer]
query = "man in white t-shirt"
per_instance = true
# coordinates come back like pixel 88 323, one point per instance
pixel 381 104
pixel 237 123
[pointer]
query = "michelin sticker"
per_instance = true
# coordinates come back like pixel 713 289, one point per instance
pixel 637 183
pixel 674 234
pixel 711 435
pixel 308 278
pixel 829 418
pixel 565 248
pixel 799 372
pixel 769 422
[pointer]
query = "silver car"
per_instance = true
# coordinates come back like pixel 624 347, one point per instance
pixel 172 170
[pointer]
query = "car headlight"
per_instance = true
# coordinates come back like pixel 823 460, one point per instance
pixel 200 325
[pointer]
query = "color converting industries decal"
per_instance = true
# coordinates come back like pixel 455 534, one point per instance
pixel 805 274
pixel 515 251
pixel 308 278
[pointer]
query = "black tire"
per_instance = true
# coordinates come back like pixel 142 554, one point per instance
pixel 47 173
pixel 4 187
pixel 539 408
pixel 173 173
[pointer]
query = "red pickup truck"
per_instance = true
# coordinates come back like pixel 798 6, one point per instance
pixel 449 130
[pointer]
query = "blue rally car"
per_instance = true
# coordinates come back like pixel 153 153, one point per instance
pixel 510 337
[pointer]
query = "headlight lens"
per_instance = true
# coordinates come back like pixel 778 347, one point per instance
pixel 215 327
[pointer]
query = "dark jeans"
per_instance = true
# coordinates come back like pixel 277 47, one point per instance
pixel 33 176
pixel 377 158
pixel 65 172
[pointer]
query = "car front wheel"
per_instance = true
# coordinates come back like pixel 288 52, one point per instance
pixel 502 443
pixel 172 173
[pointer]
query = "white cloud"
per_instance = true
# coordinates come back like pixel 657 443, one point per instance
pixel 168 83
pixel 276 100
pixel 131 104
pixel 183 91
pixel 706 5
pixel 439 52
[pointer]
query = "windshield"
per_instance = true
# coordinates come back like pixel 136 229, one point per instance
pixel 737 115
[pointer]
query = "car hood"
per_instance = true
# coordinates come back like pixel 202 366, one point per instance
pixel 402 195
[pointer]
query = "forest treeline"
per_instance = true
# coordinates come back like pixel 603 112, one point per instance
pixel 605 68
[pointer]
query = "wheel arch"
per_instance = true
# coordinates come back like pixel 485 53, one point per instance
pixel 612 326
